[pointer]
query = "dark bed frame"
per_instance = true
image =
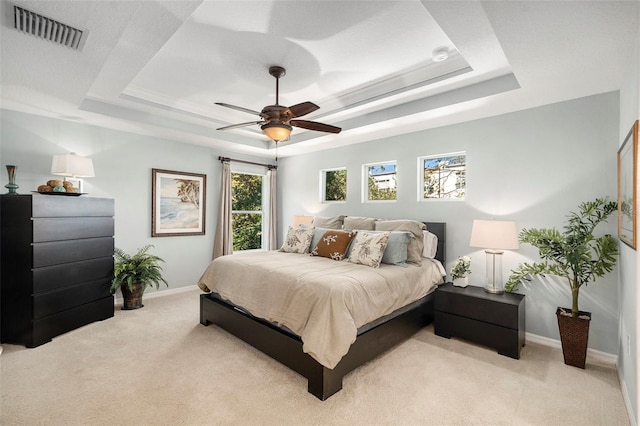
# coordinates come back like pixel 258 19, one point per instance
pixel 286 347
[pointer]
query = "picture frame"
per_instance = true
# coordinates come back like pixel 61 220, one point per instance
pixel 628 188
pixel 178 203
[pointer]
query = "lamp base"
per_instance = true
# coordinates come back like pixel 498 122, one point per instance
pixel 493 290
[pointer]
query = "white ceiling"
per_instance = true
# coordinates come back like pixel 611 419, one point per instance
pixel 157 67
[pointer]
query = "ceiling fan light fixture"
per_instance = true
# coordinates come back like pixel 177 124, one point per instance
pixel 440 54
pixel 276 131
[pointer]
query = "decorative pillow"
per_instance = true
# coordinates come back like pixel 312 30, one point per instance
pixel 360 223
pixel 328 222
pixel 397 247
pixel 317 236
pixel 368 248
pixel 298 240
pixel 333 244
pixel 430 241
pixel 416 245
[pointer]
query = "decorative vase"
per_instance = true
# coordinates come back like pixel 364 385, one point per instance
pixel 461 282
pixel 574 335
pixel 11 186
pixel 132 298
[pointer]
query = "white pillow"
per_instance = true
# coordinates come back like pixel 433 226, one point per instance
pixel 298 240
pixel 430 244
pixel 368 248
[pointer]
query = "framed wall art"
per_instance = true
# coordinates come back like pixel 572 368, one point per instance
pixel 178 205
pixel 628 188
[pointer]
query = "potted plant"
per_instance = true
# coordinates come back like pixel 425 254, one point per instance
pixel 132 275
pixel 460 271
pixel 577 256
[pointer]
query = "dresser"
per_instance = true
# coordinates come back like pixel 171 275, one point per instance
pixel 57 265
pixel 493 320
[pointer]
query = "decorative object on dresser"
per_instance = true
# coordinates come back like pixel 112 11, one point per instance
pixel 628 188
pixel 178 204
pixel 71 166
pixel 132 275
pixel 12 186
pixel 460 271
pixel 494 320
pixel 57 263
pixel 578 257
pixel 494 236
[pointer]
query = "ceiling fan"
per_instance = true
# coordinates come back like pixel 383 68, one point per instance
pixel 277 120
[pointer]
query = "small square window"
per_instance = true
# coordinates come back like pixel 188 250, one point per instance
pixel 381 181
pixel 334 185
pixel 443 176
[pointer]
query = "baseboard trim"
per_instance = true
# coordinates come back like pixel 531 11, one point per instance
pixel 159 293
pixel 627 401
pixel 600 356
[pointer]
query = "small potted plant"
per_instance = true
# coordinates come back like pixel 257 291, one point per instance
pixel 579 258
pixel 132 275
pixel 461 271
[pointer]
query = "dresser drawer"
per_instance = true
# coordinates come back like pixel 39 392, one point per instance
pixel 51 278
pixel 46 304
pixel 71 228
pixel 53 253
pixel 64 206
pixel 46 328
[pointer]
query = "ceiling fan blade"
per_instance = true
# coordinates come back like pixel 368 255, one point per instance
pixel 312 125
pixel 250 111
pixel 235 126
pixel 302 109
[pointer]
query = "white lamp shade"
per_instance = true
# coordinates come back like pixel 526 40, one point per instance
pixel 494 234
pixel 72 165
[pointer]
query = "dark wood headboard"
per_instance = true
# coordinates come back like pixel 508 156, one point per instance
pixel 440 229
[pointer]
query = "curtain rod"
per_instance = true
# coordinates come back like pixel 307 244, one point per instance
pixel 227 159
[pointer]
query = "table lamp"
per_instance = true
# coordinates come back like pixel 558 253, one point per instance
pixel 494 236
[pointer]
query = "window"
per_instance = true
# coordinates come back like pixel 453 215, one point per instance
pixel 334 185
pixel 443 176
pixel 381 181
pixel 247 211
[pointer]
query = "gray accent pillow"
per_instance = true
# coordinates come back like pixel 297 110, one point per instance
pixel 416 245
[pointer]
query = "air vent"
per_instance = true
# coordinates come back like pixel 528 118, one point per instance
pixel 49 29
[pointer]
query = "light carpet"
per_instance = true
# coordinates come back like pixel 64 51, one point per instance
pixel 159 366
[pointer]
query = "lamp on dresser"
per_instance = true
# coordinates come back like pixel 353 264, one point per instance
pixel 72 165
pixel 494 236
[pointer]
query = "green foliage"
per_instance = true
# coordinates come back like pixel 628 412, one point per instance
pixel 246 199
pixel 574 254
pixel 142 268
pixel 336 185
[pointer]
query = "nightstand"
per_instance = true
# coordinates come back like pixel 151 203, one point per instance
pixel 470 313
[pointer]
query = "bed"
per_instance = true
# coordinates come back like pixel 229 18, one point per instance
pixel 299 350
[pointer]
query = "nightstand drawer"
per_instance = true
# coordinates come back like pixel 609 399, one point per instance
pixel 504 340
pixel 475 303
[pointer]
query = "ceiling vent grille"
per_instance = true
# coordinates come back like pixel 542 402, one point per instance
pixel 49 29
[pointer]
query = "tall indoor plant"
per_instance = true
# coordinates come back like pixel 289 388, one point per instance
pixel 577 256
pixel 132 274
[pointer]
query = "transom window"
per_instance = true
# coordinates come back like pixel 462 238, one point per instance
pixel 443 176
pixel 334 185
pixel 381 181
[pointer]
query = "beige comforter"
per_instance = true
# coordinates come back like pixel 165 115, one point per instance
pixel 322 300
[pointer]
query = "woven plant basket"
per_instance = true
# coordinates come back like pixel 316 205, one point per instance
pixel 132 298
pixel 574 335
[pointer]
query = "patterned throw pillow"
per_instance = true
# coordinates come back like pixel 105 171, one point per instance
pixel 368 248
pixel 333 244
pixel 298 240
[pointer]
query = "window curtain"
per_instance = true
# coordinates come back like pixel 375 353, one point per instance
pixel 273 231
pixel 223 242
